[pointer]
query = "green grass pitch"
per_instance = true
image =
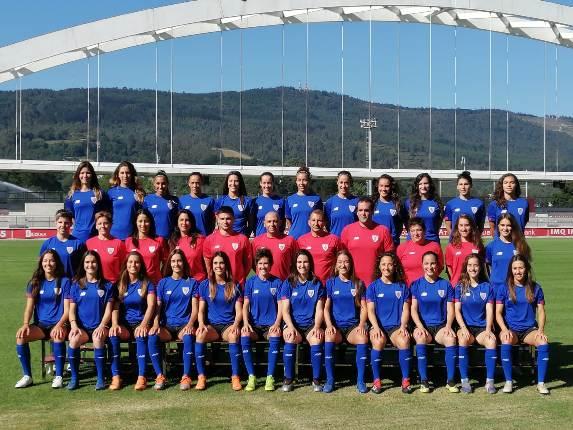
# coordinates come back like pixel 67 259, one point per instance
pixel 42 407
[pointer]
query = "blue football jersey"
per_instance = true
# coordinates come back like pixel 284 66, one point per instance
pixel 343 309
pixel 203 210
pixel 70 252
pixel 49 303
pixel 134 304
pixel 519 208
pixel 298 209
pixel 263 205
pixel 474 302
pixel 176 297
pixel 242 209
pixel 386 214
pixel 84 205
pixel 303 299
pixel 220 311
pixel 91 302
pixel 389 301
pixel 263 297
pixel 498 254
pixel 474 208
pixel 520 316
pixel 124 206
pixel 433 298
pixel 164 210
pixel 429 211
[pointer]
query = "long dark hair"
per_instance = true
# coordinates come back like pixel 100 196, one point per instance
pixel 394 191
pixel 474 237
pixel 499 195
pixel 229 283
pixel 242 186
pixel 94 183
pixel 152 233
pixel 517 237
pixel 39 275
pixel 293 275
pixel 465 281
pixel 123 281
pixel 528 283
pixel 357 283
pixel 134 184
pixel 399 276
pixel 176 235
pixel 168 270
pixel 415 198
pixel 80 277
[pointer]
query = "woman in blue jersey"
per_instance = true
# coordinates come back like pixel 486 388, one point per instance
pixel 91 304
pixel 220 314
pixel 235 196
pixel 126 195
pixel 131 317
pixel 302 296
pixel 388 300
pixel 507 199
pixel 508 242
pixel 199 204
pixel 47 298
pixel 162 205
pixel 464 204
pixel 474 306
pixel 433 315
pixel 261 317
pixel 517 303
pixel 340 210
pixel 84 199
pixel 175 317
pixel 267 202
pixel 300 204
pixel 346 319
pixel 388 210
pixel 424 202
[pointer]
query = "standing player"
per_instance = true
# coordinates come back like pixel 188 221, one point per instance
pixel 201 205
pixel 235 197
pixel 517 303
pixel 465 240
pixel 84 199
pixel 126 196
pixel 302 296
pixel 433 314
pixel 508 242
pixel 464 204
pixel 162 205
pixel 474 304
pixel 220 313
pixel 111 250
pixel 186 238
pixel 235 245
pixel 340 210
pixel 410 252
pixel 261 317
pixel 47 297
pixel 366 241
pixel 281 246
pixel 68 248
pixel 346 319
pixel 267 202
pixel 424 203
pixel 91 304
pixel 322 245
pixel 388 301
pixel 301 204
pixel 388 210
pixel 507 200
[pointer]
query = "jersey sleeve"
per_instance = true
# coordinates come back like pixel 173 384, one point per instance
pixel 287 209
pixel 491 294
pixel 28 290
pixel 450 290
pixel 285 290
pixel 457 294
pixel 491 210
pixel 407 293
pixel 343 241
pixel 69 204
pixel 526 216
pixel 238 293
pixel 110 292
pixel 204 290
pixel 151 288
pixel 371 293
pixel 488 253
pixel 321 291
pixel 501 296
pixel 480 216
pixel 66 287
pixel 539 296
pixel 387 241
pixel 448 211
pixel 449 257
pixel 73 292
pixel 249 288
pixel 329 284
pixel 414 289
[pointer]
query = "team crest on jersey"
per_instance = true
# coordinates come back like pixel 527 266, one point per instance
pixel 353 292
pixel 168 292
pixel 515 252
pixel 295 205
pixel 235 245
pixel 282 246
pixel 520 211
pixel 135 196
pixel 483 296
pixel 126 293
pixel 325 246
pixel 110 250
pixel 83 293
pixel 203 207
pixel 398 294
pixel 310 293
pixel 185 290
pixel 260 208
pixel 474 209
pixel 375 238
pixel 295 293
pixel 393 212
pixel 140 292
pixel 431 209
pixel 70 249
pixel 276 207
pixel 94 200
pixel 241 208
pixel 57 291
pixel 152 249
pixel 170 204
pixel 310 204
pixel 100 292
pixel 442 293
pixel 42 291
pixel 352 208
pixel 273 291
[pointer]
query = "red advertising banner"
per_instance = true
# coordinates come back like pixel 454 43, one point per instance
pixel 27 233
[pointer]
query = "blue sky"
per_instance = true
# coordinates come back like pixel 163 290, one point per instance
pixel 196 60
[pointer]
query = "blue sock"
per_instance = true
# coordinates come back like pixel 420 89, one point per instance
pixel 361 361
pixel 274 347
pixel 200 357
pixel 155 353
pixel 329 360
pixel 187 354
pixel 74 360
pixel 463 361
pixel 451 352
pixel 404 357
pixel 506 361
pixel 288 359
pixel 422 361
pixel 235 354
pixel 316 360
pixel 116 354
pixel 542 362
pixel 23 352
pixel 59 357
pixel 141 351
pixel 247 355
pixel 490 361
pixel 375 361
pixel 99 358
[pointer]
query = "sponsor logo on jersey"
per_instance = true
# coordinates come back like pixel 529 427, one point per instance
pixel 185 290
pixel 424 294
pixel 380 295
pixel 393 212
pixel 431 209
pixel 282 246
pixel 353 292
pixel 520 211
pixel 325 246
pixel 276 207
pixel 412 253
pixel 310 293
pixel 375 238
pixel 309 247
pixel 76 202
pixel 376 212
pixel 458 252
pixel 120 197
pixel 398 294
pixel 255 291
pixel 442 293
pixel 126 293
pixel 110 250
pixel 310 204
pixel 483 296
pixel 187 207
pixel 504 211
pixel 100 293
pixel 235 245
pixel 499 253
pixel 456 209
pixel 335 209
pixel 356 238
pixel 273 291
pixel 468 294
pixel 70 249
pixel 217 246
pixel 152 249
pixel 351 208
pixel 474 209
pixel 203 207
pixel 153 206
pixel 336 292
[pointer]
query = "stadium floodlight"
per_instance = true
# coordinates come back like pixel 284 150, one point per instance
pixel 369 124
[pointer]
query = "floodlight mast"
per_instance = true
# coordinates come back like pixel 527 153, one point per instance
pixel 368 124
